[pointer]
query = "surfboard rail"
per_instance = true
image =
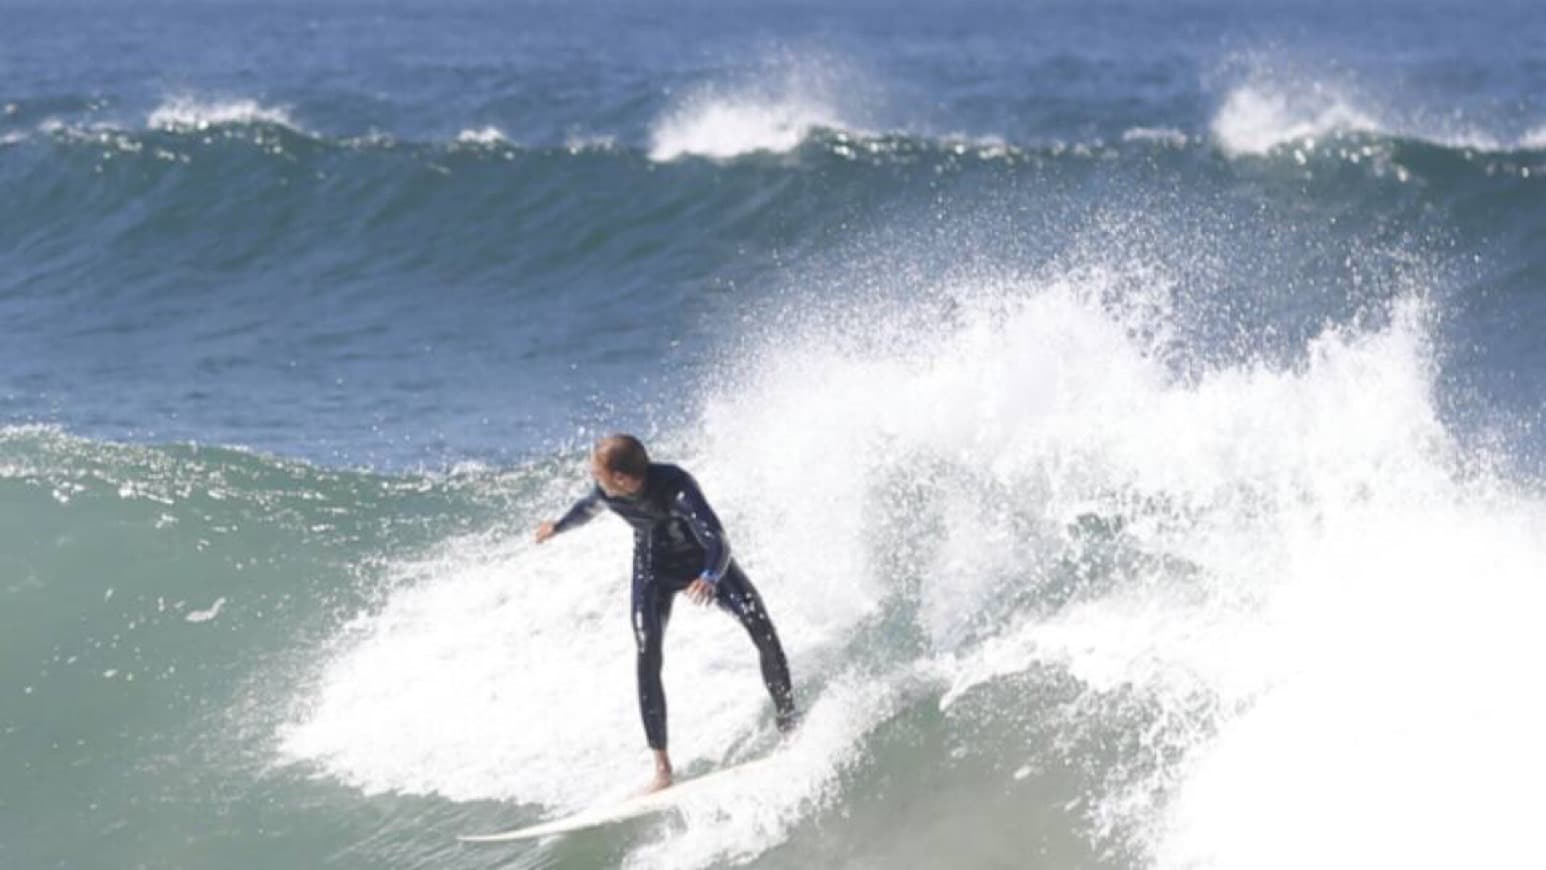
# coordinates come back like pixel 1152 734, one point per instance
pixel 628 808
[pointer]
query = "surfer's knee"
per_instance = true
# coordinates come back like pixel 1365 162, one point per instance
pixel 651 655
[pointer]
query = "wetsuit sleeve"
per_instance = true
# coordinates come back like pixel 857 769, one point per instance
pixel 583 511
pixel 690 505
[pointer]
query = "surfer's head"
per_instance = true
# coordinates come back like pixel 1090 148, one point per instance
pixel 619 464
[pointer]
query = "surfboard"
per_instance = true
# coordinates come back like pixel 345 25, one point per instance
pixel 629 808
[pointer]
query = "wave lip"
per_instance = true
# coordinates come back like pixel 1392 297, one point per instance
pixel 725 127
pixel 781 105
pixel 186 113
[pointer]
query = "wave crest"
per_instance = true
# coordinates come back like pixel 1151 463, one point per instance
pixel 1255 120
pixel 787 101
pixel 184 113
pixel 486 135
pixel 723 127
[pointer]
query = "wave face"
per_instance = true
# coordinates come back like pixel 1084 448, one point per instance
pixel 332 289
pixel 1130 416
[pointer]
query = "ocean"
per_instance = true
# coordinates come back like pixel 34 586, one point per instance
pixel 1130 412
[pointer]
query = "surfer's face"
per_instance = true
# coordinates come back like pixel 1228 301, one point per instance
pixel 614 483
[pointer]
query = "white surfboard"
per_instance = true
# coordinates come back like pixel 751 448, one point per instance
pixel 629 808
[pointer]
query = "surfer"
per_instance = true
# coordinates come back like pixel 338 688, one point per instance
pixel 678 546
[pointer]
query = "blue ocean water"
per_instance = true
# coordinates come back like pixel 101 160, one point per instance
pixel 1131 412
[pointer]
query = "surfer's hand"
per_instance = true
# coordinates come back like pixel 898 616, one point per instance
pixel 700 591
pixel 545 531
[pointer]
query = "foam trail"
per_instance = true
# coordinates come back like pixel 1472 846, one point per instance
pixel 758 811
pixel 205 615
pixel 455 685
pixel 451 688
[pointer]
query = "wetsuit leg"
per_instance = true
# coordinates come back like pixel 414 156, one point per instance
pixel 651 612
pixel 737 595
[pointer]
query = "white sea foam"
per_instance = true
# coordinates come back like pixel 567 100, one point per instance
pixel 1325 569
pixel 1161 135
pixel 963 144
pixel 577 143
pixel 487 135
pixel 498 669
pixel 456 685
pixel 206 615
pixel 1257 118
pixel 758 811
pixel 192 113
pixel 1535 139
pixel 722 126
pixel 1360 596
pixel 775 111
pixel 101 131
pixel 1264 114
pixel 502 670
pixel 1330 608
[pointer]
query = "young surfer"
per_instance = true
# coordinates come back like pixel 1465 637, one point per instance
pixel 678 546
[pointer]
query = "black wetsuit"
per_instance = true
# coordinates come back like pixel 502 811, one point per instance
pixel 677 539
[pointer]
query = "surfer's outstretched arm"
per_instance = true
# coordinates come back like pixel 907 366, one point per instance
pixel 581 513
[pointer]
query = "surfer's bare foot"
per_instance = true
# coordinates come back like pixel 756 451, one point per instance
pixel 662 773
